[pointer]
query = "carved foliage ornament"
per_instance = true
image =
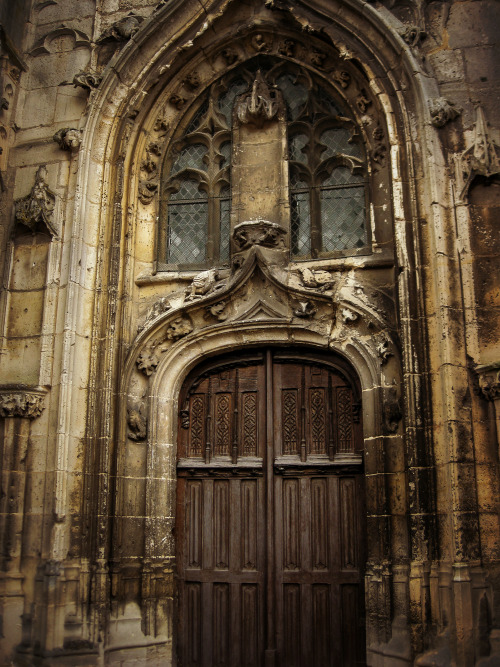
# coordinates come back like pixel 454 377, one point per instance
pixel 37 209
pixel 21 404
pixel 148 360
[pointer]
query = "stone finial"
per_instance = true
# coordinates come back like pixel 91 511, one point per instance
pixel 21 403
pixel 480 159
pixel 38 207
pixel 260 105
pixel 443 111
pixel 88 80
pixel 68 138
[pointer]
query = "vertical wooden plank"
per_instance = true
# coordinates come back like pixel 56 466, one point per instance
pixel 221 625
pixel 208 524
pixel 291 525
pixel 194 517
pixel 321 625
pixel 350 626
pixel 221 523
pixel 270 650
pixel 348 520
pixel 249 518
pixel 305 565
pixel 319 524
pixel 193 625
pixel 292 624
pixel 249 656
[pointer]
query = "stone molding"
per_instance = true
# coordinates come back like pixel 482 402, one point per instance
pixel 21 403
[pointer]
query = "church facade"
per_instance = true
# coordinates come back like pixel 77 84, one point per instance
pixel 249 365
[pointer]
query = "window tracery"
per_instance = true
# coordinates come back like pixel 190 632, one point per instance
pixel 327 171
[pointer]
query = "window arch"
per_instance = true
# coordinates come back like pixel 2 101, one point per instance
pixel 327 171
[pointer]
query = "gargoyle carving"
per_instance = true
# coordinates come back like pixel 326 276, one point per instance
pixel 68 138
pixel 412 34
pixel 87 80
pixel 122 30
pixel 316 279
pixel 262 104
pixel 348 316
pixel 384 350
pixel 136 422
pixel 203 283
pixel 258 232
pixel 443 111
pixel 38 207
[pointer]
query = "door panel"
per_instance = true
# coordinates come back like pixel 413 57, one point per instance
pixel 269 516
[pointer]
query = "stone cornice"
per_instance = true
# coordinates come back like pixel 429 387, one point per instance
pixel 21 402
pixel 489 380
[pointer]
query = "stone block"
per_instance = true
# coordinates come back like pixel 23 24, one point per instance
pixel 472 23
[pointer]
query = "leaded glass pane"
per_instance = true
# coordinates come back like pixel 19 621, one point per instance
pixel 226 100
pixel 337 141
pixel 197 118
pixel 300 224
pixel 187 232
pixel 190 156
pixel 188 190
pixel 328 103
pixel 341 176
pixel 296 145
pixel 295 95
pixel 343 218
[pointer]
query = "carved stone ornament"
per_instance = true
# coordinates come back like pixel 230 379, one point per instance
pixel 342 77
pixel 203 283
pixel 442 111
pixel 37 209
pixel 489 382
pixel 21 404
pixel 259 232
pixel 305 309
pixel 218 311
pixel 412 34
pixel 260 105
pixel 316 279
pixel 379 152
pixel 392 411
pixel 229 55
pixel 287 48
pixel 348 316
pixel 122 30
pixel 481 159
pixel 87 80
pixel 384 350
pixel 160 307
pixel 317 58
pixel 148 359
pixel 68 138
pixel 147 190
pixel 136 422
pixel 179 327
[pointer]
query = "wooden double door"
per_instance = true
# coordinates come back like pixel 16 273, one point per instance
pixel 270 528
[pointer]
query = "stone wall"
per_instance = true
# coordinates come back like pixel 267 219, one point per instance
pixel 97 337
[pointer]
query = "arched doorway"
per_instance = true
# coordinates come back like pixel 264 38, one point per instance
pixel 270 512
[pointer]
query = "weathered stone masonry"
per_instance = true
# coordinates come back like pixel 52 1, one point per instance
pixel 101 326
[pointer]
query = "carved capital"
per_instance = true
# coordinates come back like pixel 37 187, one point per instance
pixel 259 232
pixel 443 111
pixel 489 381
pixel 21 403
pixel 68 138
pixel 37 209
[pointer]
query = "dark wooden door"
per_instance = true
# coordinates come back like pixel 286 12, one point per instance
pixel 270 507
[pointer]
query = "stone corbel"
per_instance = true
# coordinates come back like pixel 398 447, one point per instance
pixel 261 105
pixel 122 30
pixel 482 158
pixel 87 79
pixel 68 138
pixel 25 403
pixel 36 211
